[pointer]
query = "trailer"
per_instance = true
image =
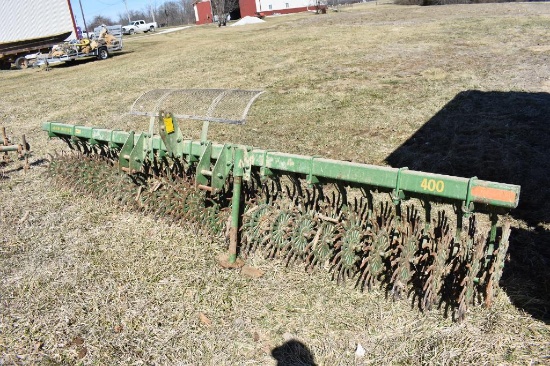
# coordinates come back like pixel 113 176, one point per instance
pixel 30 28
pixel 23 54
pixel 107 39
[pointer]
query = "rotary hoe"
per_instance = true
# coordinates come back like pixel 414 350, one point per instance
pixel 435 239
pixel 6 146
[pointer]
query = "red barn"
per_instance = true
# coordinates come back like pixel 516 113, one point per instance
pixel 203 12
pixel 203 9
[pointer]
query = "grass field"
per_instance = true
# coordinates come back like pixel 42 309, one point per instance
pixel 462 89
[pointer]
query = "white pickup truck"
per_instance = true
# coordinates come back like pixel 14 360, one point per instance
pixel 90 36
pixel 138 26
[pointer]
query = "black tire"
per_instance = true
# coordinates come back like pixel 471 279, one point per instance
pixel 131 31
pixel 21 63
pixel 5 65
pixel 102 53
pixel 151 29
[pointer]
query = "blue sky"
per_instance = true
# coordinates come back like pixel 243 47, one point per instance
pixel 108 8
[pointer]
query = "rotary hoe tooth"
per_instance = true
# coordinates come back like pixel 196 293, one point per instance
pixel 255 226
pixel 497 265
pixel 404 258
pixel 437 262
pixel 349 247
pixel 279 233
pixel 378 243
pixel 322 246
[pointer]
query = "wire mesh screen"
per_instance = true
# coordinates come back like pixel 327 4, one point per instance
pixel 216 105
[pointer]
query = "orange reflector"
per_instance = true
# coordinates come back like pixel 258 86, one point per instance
pixel 494 194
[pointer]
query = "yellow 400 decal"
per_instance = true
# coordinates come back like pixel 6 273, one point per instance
pixel 432 185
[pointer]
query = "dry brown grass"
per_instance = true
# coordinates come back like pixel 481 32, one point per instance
pixel 83 281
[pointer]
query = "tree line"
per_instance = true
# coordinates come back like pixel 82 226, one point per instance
pixel 170 13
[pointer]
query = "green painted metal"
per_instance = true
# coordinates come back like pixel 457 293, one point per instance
pixel 138 154
pixel 203 166
pixel 222 167
pixel 171 135
pixel 132 153
pixel 402 183
pixel 236 205
pixel 126 150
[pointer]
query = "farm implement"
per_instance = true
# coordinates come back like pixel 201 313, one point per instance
pixel 7 146
pixel 437 238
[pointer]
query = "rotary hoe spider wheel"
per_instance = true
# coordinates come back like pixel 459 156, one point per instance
pixel 468 284
pixel 349 246
pixel 321 249
pixel 404 257
pixel 173 198
pixel 301 237
pixel 438 246
pixel 255 226
pixel 379 240
pixel 495 272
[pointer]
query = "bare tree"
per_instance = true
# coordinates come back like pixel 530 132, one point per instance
pixel 151 10
pixel 222 8
pixel 188 11
pixel 171 12
pixel 176 12
pixel 122 18
pixel 99 20
pixel 141 14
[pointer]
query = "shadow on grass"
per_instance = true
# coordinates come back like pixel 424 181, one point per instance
pixel 18 165
pixel 502 137
pixel 293 353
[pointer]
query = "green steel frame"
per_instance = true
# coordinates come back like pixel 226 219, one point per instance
pixel 215 162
